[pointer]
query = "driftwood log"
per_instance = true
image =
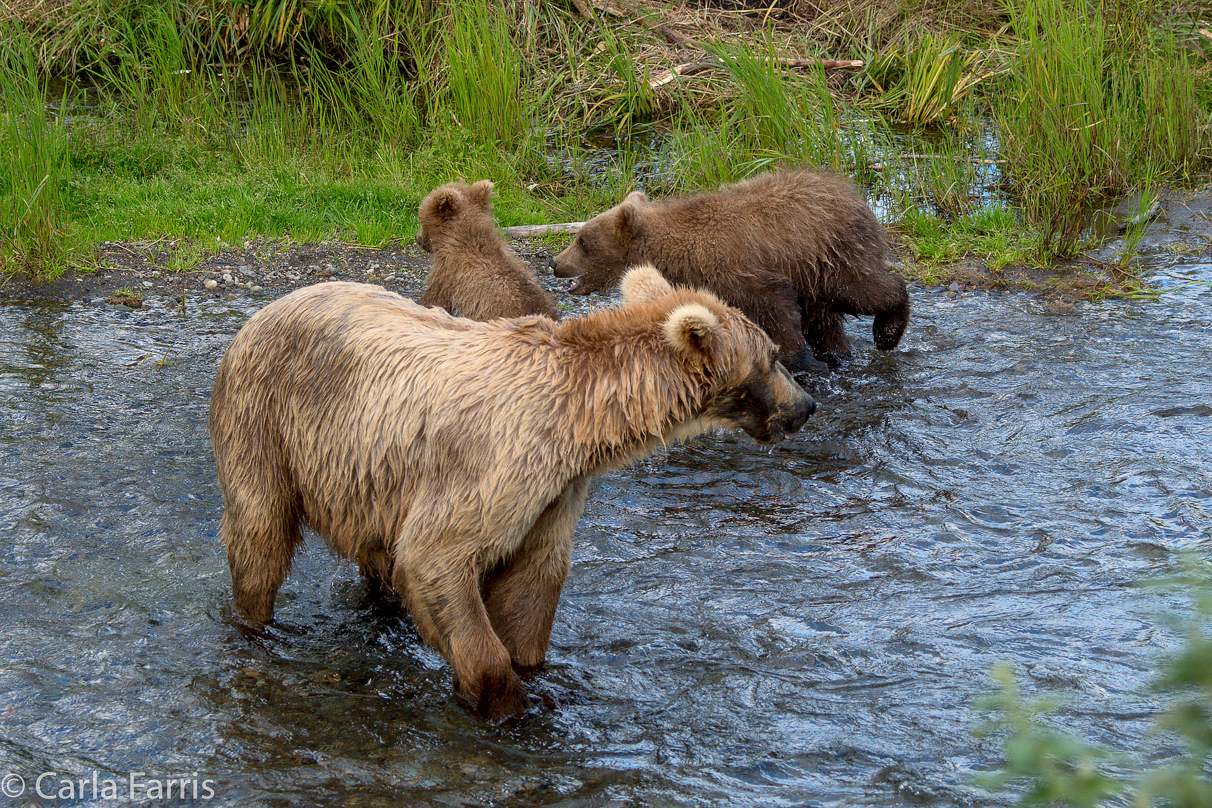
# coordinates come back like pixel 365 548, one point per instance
pixel 528 230
pixel 690 68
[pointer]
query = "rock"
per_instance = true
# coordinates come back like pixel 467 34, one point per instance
pixel 227 279
pixel 211 284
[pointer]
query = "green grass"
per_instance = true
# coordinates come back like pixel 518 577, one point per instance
pixel 483 92
pixel 285 118
pixel 924 78
pixel 992 234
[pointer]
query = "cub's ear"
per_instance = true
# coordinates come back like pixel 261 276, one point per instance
pixel 444 203
pixel 643 282
pixel 629 211
pixel 480 193
pixel 693 331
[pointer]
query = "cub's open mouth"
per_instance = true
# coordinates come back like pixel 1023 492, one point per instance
pixel 575 286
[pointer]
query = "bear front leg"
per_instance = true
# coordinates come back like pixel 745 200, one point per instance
pixel 826 335
pixel 443 597
pixel 522 599
pixel 776 310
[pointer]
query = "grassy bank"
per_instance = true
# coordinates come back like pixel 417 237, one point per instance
pixel 216 121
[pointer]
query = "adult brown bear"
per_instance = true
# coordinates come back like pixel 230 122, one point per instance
pixel 474 274
pixel 451 458
pixel 794 250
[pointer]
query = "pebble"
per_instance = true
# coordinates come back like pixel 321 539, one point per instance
pixel 211 284
pixel 227 279
pixel 148 284
pixel 955 287
pixel 256 289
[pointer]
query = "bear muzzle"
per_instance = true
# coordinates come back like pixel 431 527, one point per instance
pixel 769 408
pixel 789 421
pixel 786 419
pixel 577 287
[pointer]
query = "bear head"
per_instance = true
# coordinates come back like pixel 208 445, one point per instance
pixel 748 387
pixel 606 246
pixel 447 203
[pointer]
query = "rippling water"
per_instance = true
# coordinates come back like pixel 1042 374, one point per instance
pixel 805 625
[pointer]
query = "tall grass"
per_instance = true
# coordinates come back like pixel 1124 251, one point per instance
pixel 771 116
pixel 924 77
pixel 778 114
pixel 483 89
pixel 1092 105
pixel 35 173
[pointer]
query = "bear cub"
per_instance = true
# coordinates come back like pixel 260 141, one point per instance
pixel 475 274
pixel 795 250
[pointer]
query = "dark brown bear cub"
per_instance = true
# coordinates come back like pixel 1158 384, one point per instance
pixel 451 458
pixel 795 250
pixel 474 274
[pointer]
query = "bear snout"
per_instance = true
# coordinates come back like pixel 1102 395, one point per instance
pixel 793 413
pixel 798 414
pixel 562 270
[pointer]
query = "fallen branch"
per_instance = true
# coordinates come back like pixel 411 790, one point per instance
pixel 690 68
pixel 1142 218
pixel 980 161
pixel 587 10
pixel 529 230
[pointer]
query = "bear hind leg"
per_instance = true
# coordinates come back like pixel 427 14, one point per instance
pixel 259 558
pixel 890 324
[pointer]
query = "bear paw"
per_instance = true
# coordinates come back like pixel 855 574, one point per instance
pixel 496 696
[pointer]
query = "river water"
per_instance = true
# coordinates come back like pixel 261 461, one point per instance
pixel 807 625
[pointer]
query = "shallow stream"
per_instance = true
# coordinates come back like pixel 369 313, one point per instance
pixel 802 626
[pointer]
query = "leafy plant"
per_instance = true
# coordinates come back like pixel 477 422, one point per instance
pixel 1059 769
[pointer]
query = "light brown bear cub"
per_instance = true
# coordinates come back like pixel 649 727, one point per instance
pixel 451 458
pixel 474 274
pixel 794 250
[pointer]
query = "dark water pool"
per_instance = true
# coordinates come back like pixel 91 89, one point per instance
pixel 801 626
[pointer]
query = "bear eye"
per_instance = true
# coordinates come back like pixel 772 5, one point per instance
pixel 583 244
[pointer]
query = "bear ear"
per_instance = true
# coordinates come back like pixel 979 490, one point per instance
pixel 629 211
pixel 446 203
pixel 480 193
pixel 693 331
pixel 643 282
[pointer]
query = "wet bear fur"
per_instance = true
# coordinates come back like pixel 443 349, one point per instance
pixel 795 250
pixel 475 274
pixel 451 458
